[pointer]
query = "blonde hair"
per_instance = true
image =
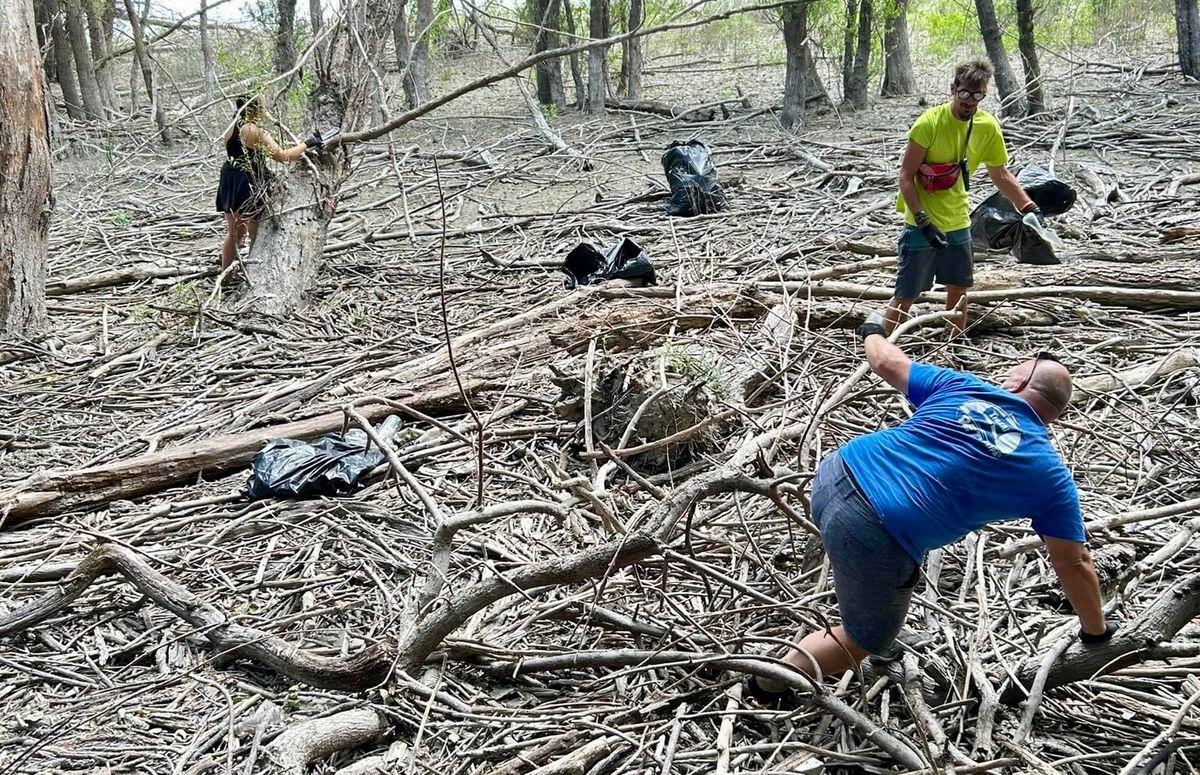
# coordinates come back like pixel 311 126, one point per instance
pixel 974 73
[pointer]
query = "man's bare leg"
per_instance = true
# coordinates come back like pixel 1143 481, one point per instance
pixel 957 324
pixel 834 654
pixel 897 311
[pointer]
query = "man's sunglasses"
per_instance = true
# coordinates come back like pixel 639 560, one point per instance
pixel 966 94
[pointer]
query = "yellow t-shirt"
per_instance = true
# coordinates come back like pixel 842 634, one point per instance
pixel 943 136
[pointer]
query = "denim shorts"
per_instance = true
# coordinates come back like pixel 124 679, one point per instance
pixel 918 264
pixel 873 576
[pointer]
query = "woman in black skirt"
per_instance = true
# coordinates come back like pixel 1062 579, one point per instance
pixel 245 188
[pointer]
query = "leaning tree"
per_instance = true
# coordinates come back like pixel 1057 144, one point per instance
pixel 25 197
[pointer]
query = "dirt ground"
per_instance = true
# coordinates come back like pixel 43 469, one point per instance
pixel 115 684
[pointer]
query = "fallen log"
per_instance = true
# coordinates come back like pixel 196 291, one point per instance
pixel 133 274
pixel 56 492
pixel 318 738
pixel 1135 377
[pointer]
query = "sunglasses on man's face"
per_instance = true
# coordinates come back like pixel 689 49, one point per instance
pixel 975 96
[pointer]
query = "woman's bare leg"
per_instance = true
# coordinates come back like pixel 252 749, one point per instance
pixel 229 248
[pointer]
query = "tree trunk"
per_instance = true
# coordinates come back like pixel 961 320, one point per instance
pixel 848 37
pixel 99 41
pixel 1035 99
pixel 66 71
pixel 316 15
pixel 802 84
pixel 88 88
pixel 898 78
pixel 402 42
pixel 633 53
pixel 1187 34
pixel 576 69
pixel 597 57
pixel 857 93
pixel 25 197
pixel 285 36
pixel 420 65
pixel 207 55
pixel 545 14
pixel 1006 82
pixel 143 60
pixel 42 17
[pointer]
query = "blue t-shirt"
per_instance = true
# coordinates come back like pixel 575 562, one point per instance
pixel 971 454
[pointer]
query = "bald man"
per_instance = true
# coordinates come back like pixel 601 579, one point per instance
pixel 970 454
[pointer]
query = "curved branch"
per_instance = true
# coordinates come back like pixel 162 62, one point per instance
pixel 318 738
pixel 366 668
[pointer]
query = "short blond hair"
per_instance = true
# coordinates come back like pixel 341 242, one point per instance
pixel 974 73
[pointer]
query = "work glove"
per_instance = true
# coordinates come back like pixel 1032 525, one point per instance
pixel 1110 629
pixel 874 325
pixel 933 235
pixel 314 142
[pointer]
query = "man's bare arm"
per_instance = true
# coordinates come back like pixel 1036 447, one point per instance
pixel 888 361
pixel 910 162
pixel 1073 566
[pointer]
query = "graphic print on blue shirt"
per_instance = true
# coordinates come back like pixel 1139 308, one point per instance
pixel 971 454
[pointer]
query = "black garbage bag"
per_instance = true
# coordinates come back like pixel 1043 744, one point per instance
pixel 331 465
pixel 996 224
pixel 692 179
pixel 623 260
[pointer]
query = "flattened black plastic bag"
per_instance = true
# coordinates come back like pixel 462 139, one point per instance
pixel 692 179
pixel 623 260
pixel 996 224
pixel 331 465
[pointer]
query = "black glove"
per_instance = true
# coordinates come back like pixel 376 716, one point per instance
pixel 870 328
pixel 933 235
pixel 1110 629
pixel 315 141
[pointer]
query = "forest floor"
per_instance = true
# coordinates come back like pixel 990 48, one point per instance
pixel 115 683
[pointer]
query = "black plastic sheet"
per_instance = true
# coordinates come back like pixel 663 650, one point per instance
pixel 692 179
pixel 331 465
pixel 996 224
pixel 623 260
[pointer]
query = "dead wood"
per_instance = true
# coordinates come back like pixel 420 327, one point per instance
pixel 316 739
pixel 366 668
pixel 1132 378
pixel 132 274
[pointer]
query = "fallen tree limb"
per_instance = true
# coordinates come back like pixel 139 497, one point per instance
pixel 1014 548
pixel 318 738
pixel 1134 642
pixel 366 668
pixel 1135 377
pixel 133 274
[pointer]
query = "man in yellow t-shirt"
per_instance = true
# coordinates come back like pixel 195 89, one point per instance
pixel 945 147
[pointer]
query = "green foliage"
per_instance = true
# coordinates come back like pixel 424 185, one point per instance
pixel 696 364
pixel 121 217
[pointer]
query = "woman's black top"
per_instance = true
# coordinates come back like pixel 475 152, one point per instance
pixel 245 186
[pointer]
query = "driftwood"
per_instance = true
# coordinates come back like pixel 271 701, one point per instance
pixel 316 739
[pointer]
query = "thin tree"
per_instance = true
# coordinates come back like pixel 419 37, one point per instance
pixel 856 83
pixel 545 14
pixel 597 57
pixel 576 68
pixel 143 61
pixel 993 41
pixel 207 55
pixel 25 198
pixel 65 69
pixel 1187 34
pixel 98 36
pixel 420 66
pixel 802 83
pixel 898 78
pixel 1035 97
pixel 316 16
pixel 633 53
pixel 285 36
pixel 89 90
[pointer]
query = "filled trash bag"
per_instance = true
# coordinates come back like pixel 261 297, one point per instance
pixel 996 224
pixel 623 260
pixel 331 465
pixel 692 179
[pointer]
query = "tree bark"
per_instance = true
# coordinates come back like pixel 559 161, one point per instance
pixel 99 41
pixel 1035 98
pixel 993 41
pixel 597 57
pixel 89 90
pixel 285 36
pixel 42 22
pixel 898 78
pixel 419 68
pixel 1187 34
pixel 66 71
pixel 545 14
pixel 848 37
pixel 857 92
pixel 25 197
pixel 207 55
pixel 633 53
pixel 802 84
pixel 576 68
pixel 316 16
pixel 143 60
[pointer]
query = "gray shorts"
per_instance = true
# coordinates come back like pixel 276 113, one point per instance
pixel 873 576
pixel 918 264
